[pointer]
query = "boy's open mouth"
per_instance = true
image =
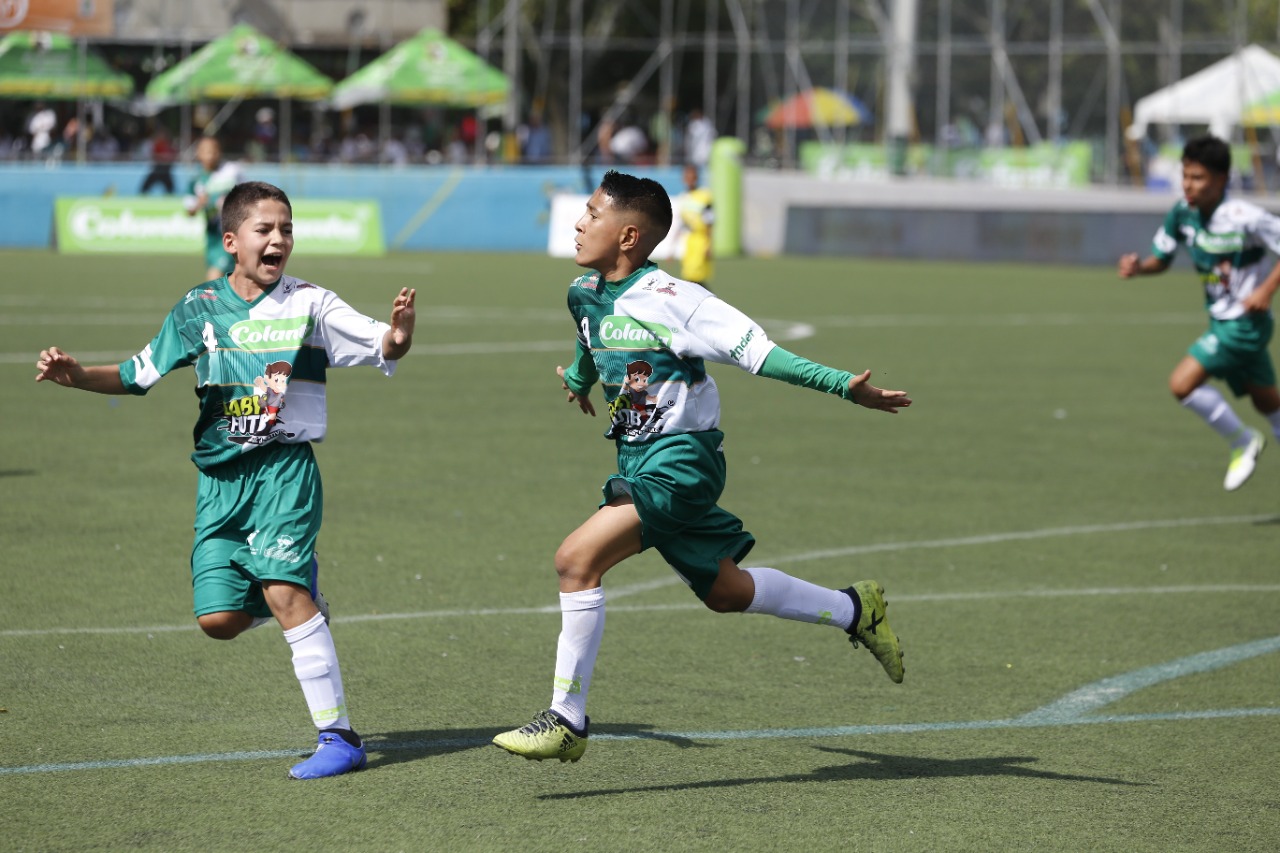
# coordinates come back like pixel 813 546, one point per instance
pixel 272 258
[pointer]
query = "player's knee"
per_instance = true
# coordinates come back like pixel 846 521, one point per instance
pixel 718 602
pixel 577 566
pixel 225 625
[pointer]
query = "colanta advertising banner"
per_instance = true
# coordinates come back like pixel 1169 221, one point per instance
pixel 152 225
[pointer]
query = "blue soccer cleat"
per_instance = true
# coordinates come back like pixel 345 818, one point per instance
pixel 333 757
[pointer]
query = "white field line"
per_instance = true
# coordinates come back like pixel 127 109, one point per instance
pixel 616 593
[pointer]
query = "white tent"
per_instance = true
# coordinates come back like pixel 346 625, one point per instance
pixel 1215 96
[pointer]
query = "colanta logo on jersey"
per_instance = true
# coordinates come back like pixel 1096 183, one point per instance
pixel 259 335
pixel 1219 244
pixel 621 332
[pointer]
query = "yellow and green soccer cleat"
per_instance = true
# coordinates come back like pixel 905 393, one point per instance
pixel 547 736
pixel 873 629
pixel 1243 460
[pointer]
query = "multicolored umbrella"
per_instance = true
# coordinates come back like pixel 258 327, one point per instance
pixel 244 63
pixel 818 107
pixel 428 68
pixel 50 66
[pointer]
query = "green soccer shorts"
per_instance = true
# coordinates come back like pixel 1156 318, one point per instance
pixel 1235 351
pixel 675 482
pixel 257 519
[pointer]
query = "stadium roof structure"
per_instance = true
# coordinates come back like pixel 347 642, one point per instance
pixel 1218 95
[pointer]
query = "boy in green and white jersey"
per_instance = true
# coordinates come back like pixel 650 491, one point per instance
pixel 646 337
pixel 1230 242
pixel 261 342
pixel 205 195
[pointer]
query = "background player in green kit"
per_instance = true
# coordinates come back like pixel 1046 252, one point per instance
pixel 1228 240
pixel 204 198
pixel 671 468
pixel 259 499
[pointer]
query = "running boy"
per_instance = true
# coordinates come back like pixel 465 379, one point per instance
pixel 259 499
pixel 670 459
pixel 1228 240
pixel 205 196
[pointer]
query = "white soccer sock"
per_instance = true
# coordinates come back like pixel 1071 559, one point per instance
pixel 315 662
pixel 1208 402
pixel 581 627
pixel 781 595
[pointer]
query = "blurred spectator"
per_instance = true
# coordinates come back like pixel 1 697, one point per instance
pixel 467 131
pixel 699 133
pixel 660 135
pixel 162 155
pixel 264 135
pixel 604 140
pixel 629 145
pixel 103 145
pixel 40 127
pixel 535 143
pixel 69 144
pixel 394 152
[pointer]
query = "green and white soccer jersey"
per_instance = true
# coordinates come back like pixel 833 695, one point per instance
pixel 1230 250
pixel 260 366
pixel 648 338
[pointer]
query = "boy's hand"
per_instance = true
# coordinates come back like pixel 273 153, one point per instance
pixel 1127 266
pixel 584 402
pixel 56 366
pixel 403 315
pixel 865 394
pixel 396 342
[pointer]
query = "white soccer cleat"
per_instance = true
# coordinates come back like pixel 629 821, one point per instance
pixel 1243 460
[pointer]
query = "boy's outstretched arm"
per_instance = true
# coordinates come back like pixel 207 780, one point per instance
pixel 865 394
pixel 59 367
pixel 398 339
pixel 797 370
pixel 1132 264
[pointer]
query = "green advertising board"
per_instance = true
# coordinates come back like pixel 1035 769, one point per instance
pixel 1036 166
pixel 154 226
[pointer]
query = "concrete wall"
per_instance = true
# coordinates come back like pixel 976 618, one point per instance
pixel 787 213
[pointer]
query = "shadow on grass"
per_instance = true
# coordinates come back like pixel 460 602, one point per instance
pixel 17 472
pixel 874 767
pixel 398 747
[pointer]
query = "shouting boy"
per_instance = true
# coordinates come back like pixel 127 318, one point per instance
pixel 671 466
pixel 259 500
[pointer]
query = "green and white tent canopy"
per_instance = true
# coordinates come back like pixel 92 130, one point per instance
pixel 51 66
pixel 244 63
pixel 428 68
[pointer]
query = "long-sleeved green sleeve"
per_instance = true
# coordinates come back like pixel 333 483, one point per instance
pixel 582 374
pixel 797 370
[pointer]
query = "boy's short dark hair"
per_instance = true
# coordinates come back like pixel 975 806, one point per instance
pixel 242 198
pixel 1210 152
pixel 641 195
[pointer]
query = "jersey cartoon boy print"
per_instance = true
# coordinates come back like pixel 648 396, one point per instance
pixel 646 339
pixel 249 355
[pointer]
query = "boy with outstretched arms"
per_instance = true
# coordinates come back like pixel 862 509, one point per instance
pixel 634 323
pixel 258 338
